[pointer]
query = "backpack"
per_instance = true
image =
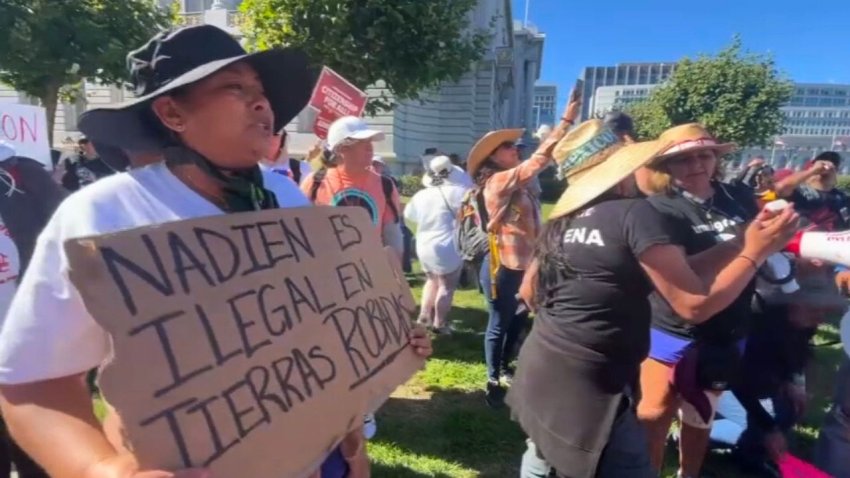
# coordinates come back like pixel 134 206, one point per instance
pixel 295 168
pixel 473 240
pixel 386 182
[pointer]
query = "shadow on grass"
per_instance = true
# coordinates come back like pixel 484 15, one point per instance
pixel 457 427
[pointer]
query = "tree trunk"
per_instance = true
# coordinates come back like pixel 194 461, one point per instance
pixel 50 101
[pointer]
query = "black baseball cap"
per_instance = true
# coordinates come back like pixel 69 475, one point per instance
pixel 830 156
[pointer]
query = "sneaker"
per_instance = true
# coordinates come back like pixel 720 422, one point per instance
pixel 444 330
pixel 370 426
pixel 508 375
pixel 495 395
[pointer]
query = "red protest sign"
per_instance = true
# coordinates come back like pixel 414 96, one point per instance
pixel 334 97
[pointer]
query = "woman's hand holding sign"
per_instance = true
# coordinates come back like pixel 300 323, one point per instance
pixel 421 342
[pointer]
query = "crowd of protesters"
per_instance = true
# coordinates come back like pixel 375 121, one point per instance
pixel 658 291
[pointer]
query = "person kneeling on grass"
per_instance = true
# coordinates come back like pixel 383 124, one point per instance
pixel 211 109
pixel 771 397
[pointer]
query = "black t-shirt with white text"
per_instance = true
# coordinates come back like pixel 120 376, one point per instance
pixel 697 227
pixel 598 310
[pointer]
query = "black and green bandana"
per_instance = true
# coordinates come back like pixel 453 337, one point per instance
pixel 242 189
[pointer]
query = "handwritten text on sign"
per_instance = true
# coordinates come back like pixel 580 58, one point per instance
pixel 25 128
pixel 249 343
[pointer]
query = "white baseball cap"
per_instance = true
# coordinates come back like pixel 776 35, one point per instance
pixel 351 127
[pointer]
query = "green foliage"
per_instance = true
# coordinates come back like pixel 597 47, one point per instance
pixel 844 184
pixel 410 184
pixel 411 45
pixel 47 47
pixel 736 94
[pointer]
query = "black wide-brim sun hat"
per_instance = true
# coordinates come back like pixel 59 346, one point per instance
pixel 177 58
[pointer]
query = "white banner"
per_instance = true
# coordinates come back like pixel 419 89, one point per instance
pixel 24 127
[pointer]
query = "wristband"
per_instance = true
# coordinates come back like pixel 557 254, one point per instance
pixel 568 121
pixel 750 259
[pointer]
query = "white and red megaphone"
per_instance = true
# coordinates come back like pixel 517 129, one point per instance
pixel 832 247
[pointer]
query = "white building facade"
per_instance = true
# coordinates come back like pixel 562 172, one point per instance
pixel 545 108
pixel 610 98
pixel 624 74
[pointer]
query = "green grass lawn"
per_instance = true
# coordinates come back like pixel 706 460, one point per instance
pixel 437 425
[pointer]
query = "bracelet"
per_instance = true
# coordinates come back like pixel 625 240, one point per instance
pixel 568 121
pixel 753 262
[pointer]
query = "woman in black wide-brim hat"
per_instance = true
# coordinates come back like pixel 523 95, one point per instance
pixel 210 109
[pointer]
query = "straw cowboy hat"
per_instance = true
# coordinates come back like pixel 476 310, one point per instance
pixel 441 166
pixel 593 159
pixel 486 145
pixel 176 58
pixel 691 137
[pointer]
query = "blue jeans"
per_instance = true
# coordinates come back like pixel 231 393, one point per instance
pixel 625 455
pixel 505 325
pixel 731 429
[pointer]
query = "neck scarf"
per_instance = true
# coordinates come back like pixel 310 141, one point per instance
pixel 242 189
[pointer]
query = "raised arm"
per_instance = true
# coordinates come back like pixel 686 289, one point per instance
pixel 504 183
pixel 787 186
pixel 697 298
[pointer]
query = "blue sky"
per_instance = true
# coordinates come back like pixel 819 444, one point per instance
pixel 810 40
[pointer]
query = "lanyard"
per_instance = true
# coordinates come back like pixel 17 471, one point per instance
pixel 708 209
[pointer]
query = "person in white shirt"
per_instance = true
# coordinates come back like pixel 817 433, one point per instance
pixel 434 210
pixel 278 160
pixel 211 109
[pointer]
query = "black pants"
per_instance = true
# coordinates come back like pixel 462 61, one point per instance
pixel 11 453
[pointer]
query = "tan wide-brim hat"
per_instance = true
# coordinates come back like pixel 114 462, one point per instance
pixel 593 160
pixel 487 144
pixel 691 137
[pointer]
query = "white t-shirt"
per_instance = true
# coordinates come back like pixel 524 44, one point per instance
pixel 435 227
pixel 282 168
pixel 10 267
pixel 47 332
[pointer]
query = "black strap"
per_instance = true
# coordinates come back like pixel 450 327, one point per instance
pixel 295 167
pixel 386 183
pixel 440 190
pixel 317 183
pixel 389 186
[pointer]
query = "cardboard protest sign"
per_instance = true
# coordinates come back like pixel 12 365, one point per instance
pixel 25 128
pixel 334 97
pixel 249 343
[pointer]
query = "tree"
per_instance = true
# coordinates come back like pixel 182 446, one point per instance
pixel 736 95
pixel 411 45
pixel 48 47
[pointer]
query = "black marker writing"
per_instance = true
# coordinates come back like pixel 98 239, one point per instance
pixel 159 281
pixel 346 234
